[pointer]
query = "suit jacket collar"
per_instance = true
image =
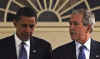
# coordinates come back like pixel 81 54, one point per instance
pixel 33 48
pixel 74 50
pixel 12 47
pixel 93 50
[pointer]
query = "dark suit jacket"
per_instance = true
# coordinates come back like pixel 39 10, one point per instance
pixel 68 51
pixel 39 49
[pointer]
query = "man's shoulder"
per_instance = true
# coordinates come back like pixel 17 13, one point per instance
pixel 95 42
pixel 65 50
pixel 7 38
pixel 40 40
pixel 66 46
pixel 5 41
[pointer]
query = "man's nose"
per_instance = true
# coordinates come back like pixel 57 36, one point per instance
pixel 28 29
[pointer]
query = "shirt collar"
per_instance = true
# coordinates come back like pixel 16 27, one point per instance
pixel 18 41
pixel 86 44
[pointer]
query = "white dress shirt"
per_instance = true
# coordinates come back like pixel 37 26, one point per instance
pixel 27 46
pixel 87 50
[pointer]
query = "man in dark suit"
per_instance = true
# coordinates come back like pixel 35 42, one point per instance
pixel 34 48
pixel 82 46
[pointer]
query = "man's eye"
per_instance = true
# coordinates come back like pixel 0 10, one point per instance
pixel 27 25
pixel 70 23
pixel 31 25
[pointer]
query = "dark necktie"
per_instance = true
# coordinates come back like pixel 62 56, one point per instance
pixel 22 52
pixel 82 53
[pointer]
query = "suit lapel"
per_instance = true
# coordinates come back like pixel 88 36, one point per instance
pixel 33 49
pixel 74 50
pixel 93 50
pixel 12 48
pixel 71 49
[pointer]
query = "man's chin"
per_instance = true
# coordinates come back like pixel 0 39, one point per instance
pixel 26 38
pixel 74 38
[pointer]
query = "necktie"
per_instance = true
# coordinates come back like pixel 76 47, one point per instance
pixel 22 51
pixel 82 53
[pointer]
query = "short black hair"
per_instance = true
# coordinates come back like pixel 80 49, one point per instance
pixel 25 11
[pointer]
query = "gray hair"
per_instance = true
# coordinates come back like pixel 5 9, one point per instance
pixel 88 17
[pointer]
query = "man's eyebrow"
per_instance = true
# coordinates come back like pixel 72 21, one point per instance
pixel 69 21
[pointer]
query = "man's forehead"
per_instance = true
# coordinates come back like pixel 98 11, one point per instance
pixel 77 16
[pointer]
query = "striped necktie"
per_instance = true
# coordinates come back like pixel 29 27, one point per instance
pixel 22 51
pixel 82 53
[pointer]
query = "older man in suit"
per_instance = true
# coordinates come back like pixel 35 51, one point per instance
pixel 83 46
pixel 22 45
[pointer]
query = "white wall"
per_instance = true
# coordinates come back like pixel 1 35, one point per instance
pixel 56 36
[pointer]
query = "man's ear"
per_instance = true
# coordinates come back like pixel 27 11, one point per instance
pixel 89 28
pixel 14 22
